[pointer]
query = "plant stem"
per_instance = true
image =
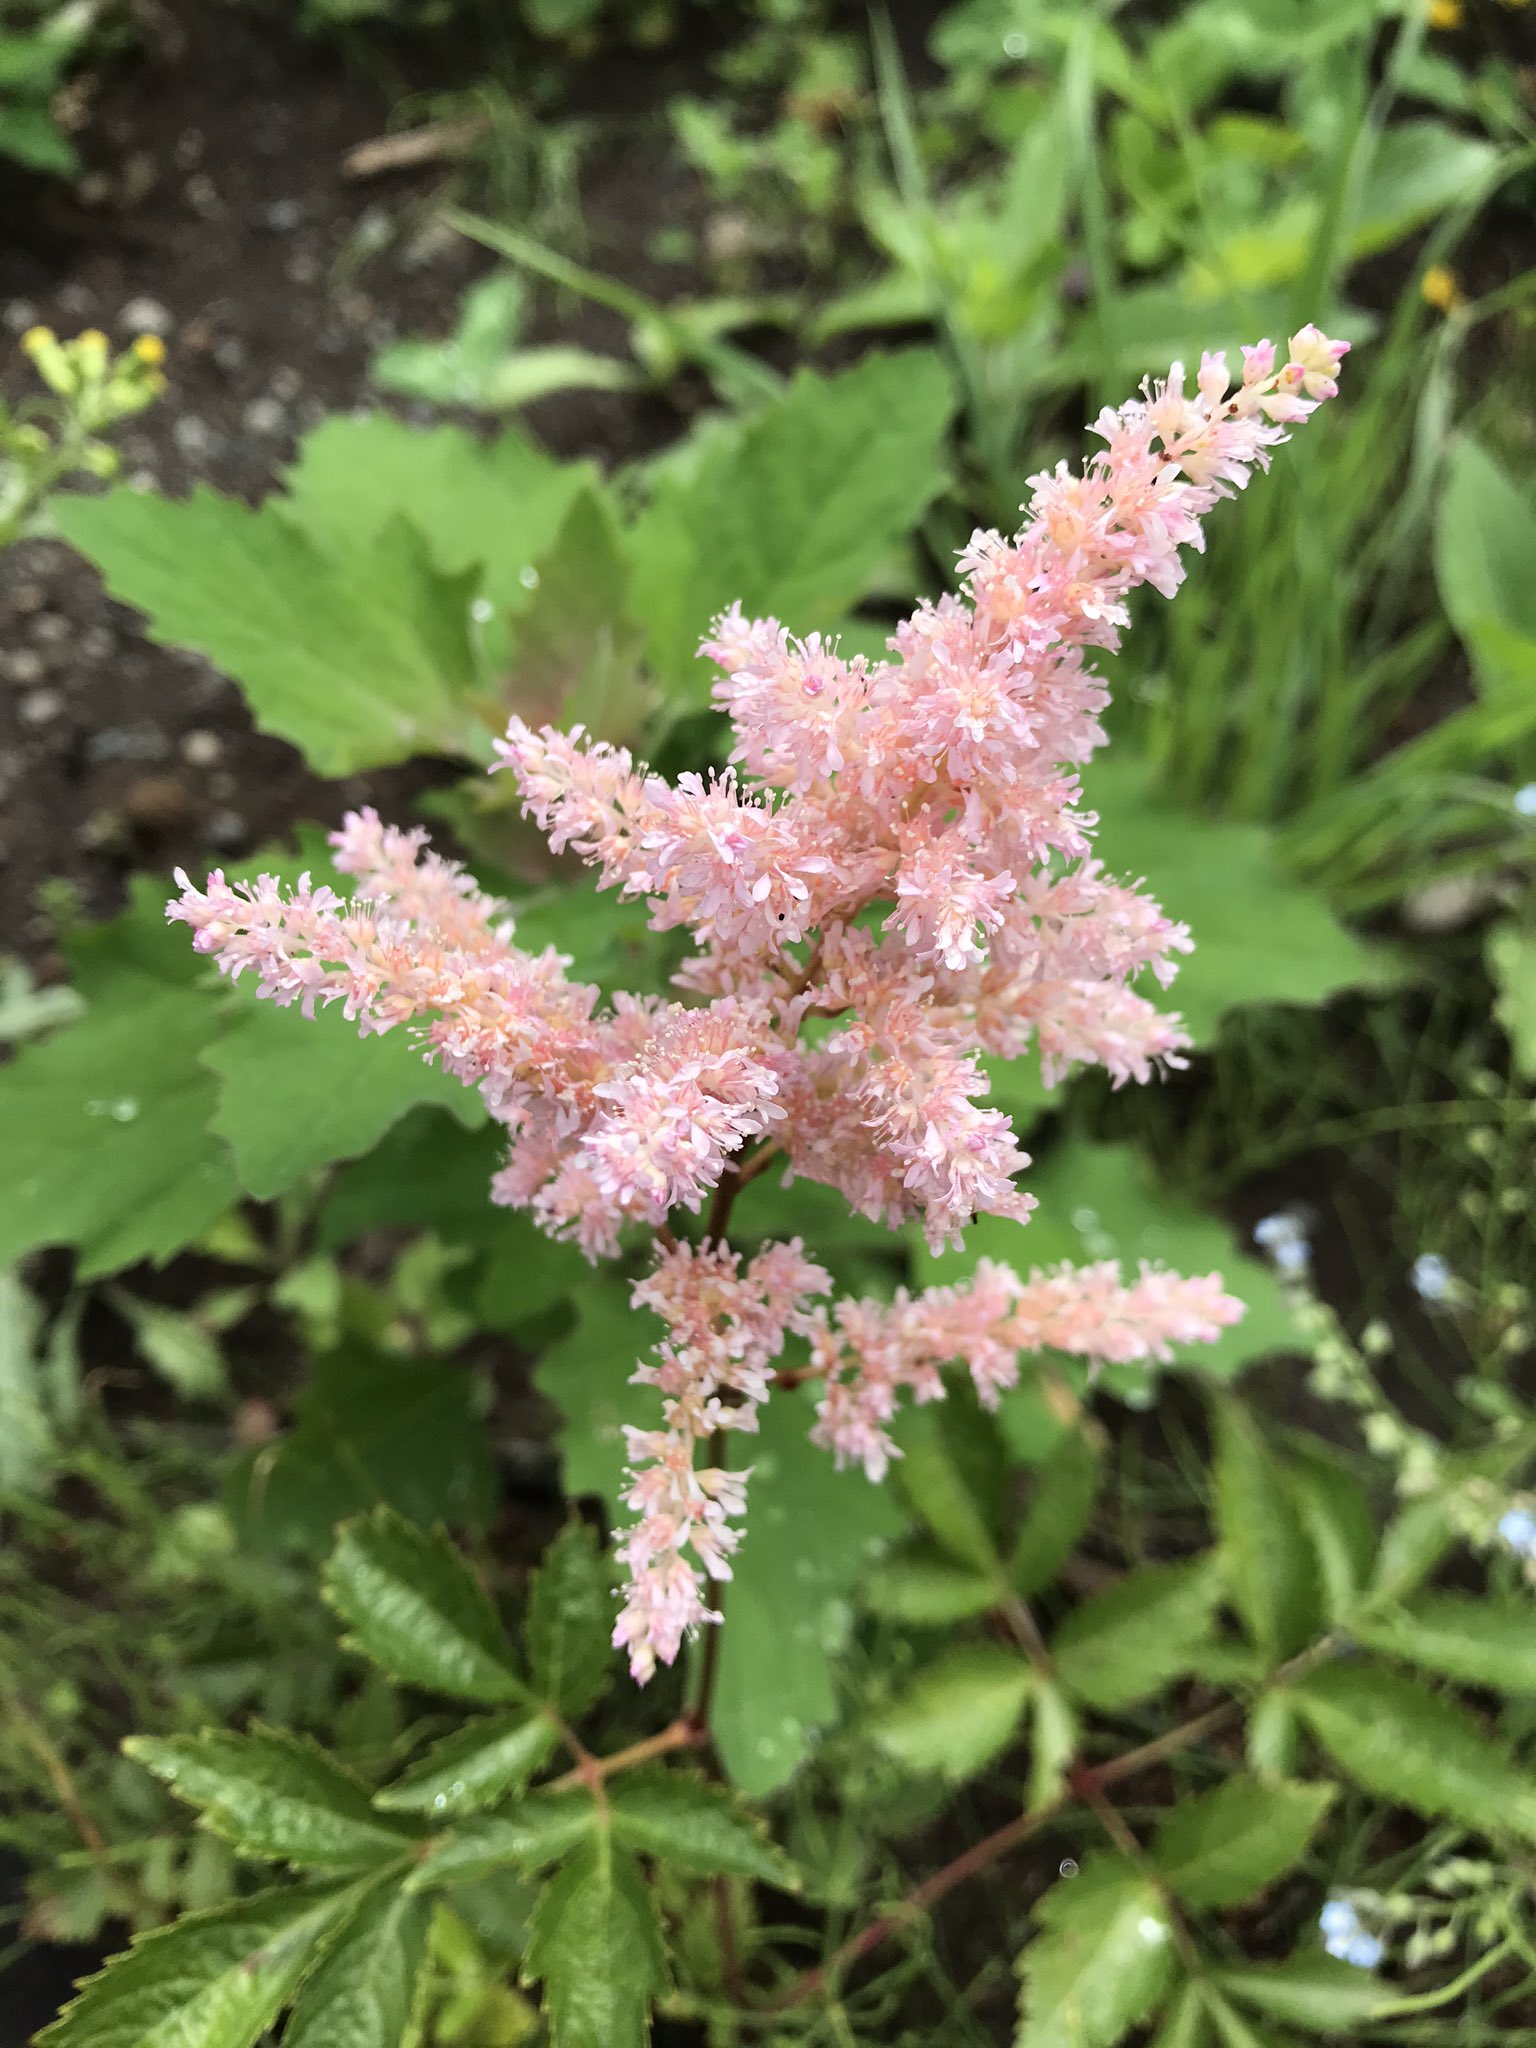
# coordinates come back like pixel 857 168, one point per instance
pixel 683 1733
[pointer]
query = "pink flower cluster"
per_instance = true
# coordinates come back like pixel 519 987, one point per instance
pixel 893 878
pixel 725 1327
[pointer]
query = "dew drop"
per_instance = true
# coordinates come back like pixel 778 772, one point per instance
pixel 482 611
pixel 122 1109
pixel 529 577
pixel 440 1802
pixel 457 1787
pixel 1153 1932
pixel 1068 1866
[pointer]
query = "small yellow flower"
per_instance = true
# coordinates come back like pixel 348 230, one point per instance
pixel 1441 288
pixel 1446 14
pixel 92 339
pixel 149 348
pixel 36 338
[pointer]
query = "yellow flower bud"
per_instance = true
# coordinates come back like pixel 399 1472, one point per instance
pixel 1445 14
pixel 37 338
pixel 149 348
pixel 1441 289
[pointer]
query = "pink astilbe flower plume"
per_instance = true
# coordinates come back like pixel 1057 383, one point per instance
pixel 893 876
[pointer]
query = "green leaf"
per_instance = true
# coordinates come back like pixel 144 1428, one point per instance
pixel 425 1173
pixel 1187 2024
pixel 1319 1992
pixel 1059 1511
pixel 1259 936
pixel 1485 542
pixel 920 1587
pixel 359 658
pixel 475 1766
pixel 596 1948
pixel 372 1428
pixel 953 1470
pixel 413 1605
pixel 539 1831
pixel 1269 1565
pixel 789 1601
pixel 1415 1749
pixel 956 1713
pixel 1105 1202
pixel 297 1093
pixel 106 1139
pixel 586 1376
pixel 570 1621
pixel 792 512
pixel 1483 1641
pixel 1053 1743
pixel 1102 1962
pixel 276 1796
pixel 1223 1847
pixel 683 1820
pixel 1128 1643
pixel 492 506
pixel 363 1995
pixel 213 1980
pixel 1417 170
pixel 1511 954
pixel 1340 1527
pixel 575 653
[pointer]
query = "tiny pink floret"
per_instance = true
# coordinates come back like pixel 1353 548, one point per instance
pixel 893 877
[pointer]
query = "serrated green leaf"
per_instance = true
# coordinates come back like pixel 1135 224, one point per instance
pixel 956 1713
pixel 1260 937
pixel 1105 1202
pixel 413 1605
pixel 27 1444
pixel 363 1995
pixel 1128 1643
pixel 537 1832
pixel 297 1093
pixel 596 1948
pixel 358 658
pixel 570 1621
pixel 1272 1735
pixel 1416 1749
pixel 372 1429
pixel 475 1766
pixel 791 512
pixel 1415 1543
pixel 1102 1962
pixel 922 1588
pixel 1482 1642
pixel 274 1795
pixel 213 1980
pixel 1270 1568
pixel 1223 1847
pixel 1187 2023
pixel 683 1820
pixel 1318 1992
pixel 494 505
pixel 575 651
pixel 1059 1510
pixel 426 1173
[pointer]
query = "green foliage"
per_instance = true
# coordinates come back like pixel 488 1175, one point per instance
pixel 413 1605
pixel 597 1950
pixel 275 1797
pixel 476 1766
pixel 1220 1849
pixel 685 1821
pixel 365 1989
pixel 1416 1748
pixel 1126 1644
pixel 570 1616
pixel 1102 1961
pixel 1482 1642
pixel 954 1715
pixel 1269 1566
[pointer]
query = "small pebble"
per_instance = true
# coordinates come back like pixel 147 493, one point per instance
pixel 281 217
pixel 75 300
pixel 51 628
pixel 264 416
pixel 226 829
pixel 97 643
pixel 28 597
pixel 229 353
pixel 201 748
pixel 20 314
pixel 23 667
pixel 126 743
pixel 192 436
pixel 41 707
pixel 303 269
pixel 145 315
pixel 287 383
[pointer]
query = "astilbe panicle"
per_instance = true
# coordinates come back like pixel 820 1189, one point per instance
pixel 893 877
